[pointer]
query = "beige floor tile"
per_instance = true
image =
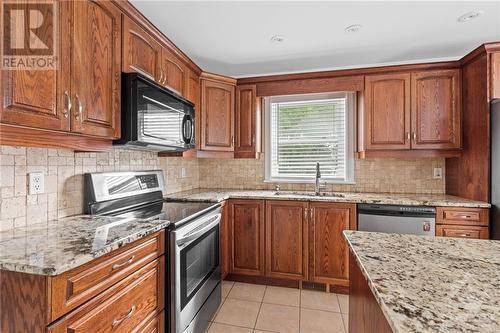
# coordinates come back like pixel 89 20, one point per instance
pixel 283 296
pixel 278 318
pixel 343 302
pixel 222 328
pixel 345 318
pixel 226 288
pixel 248 292
pixel 238 313
pixel 316 321
pixel 319 300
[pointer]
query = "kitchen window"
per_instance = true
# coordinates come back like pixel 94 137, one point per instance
pixel 304 129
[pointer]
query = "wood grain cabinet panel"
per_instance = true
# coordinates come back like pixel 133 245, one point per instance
pixel 126 306
pixel 436 100
pixel 247 237
pixel 224 240
pixel 286 239
pixel 387 111
pixel 156 325
pixel 462 231
pixel 494 75
pixel 141 52
pixel 36 98
pixel 217 111
pixel 463 216
pixel 173 72
pixel 96 65
pixel 75 287
pixel 329 253
pixel 247 122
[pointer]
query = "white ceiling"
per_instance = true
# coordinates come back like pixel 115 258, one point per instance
pixel 233 37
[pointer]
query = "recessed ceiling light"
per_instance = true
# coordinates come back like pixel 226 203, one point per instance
pixel 353 28
pixel 277 39
pixel 470 16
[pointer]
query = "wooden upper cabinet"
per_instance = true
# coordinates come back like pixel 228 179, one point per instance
pixel 40 98
pixel 387 111
pixel 141 52
pixel 247 121
pixel 173 72
pixel 329 254
pixel 192 93
pixel 436 113
pixel 217 115
pixel 286 239
pixel 96 68
pixel 246 237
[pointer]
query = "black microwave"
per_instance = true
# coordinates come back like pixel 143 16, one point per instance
pixel 154 117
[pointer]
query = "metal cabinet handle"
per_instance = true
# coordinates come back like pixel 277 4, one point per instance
pixel 414 134
pixel 305 214
pixel 165 79
pixel 127 262
pixel 408 136
pixel 464 235
pixel 161 77
pixel 311 212
pixel 117 322
pixel 78 115
pixel 67 110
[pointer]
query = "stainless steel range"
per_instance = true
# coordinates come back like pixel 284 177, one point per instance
pixel 193 289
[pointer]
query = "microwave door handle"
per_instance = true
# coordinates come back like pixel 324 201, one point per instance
pixel 212 222
pixel 161 104
pixel 185 138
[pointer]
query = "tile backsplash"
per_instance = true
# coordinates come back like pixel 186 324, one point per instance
pixel 388 175
pixel 64 169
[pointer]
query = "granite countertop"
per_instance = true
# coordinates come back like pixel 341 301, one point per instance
pixel 431 284
pixel 214 195
pixel 57 246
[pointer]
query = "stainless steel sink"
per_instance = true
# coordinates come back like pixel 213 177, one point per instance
pixel 311 194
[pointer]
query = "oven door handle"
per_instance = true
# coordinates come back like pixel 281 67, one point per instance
pixel 207 226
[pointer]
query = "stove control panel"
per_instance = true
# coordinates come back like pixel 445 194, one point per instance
pixel 148 181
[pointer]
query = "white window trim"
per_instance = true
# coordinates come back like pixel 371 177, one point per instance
pixel 350 116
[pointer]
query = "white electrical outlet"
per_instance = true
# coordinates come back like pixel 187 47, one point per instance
pixel 36 182
pixel 438 173
pixel 183 172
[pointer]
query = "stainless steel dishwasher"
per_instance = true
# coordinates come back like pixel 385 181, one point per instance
pixel 415 220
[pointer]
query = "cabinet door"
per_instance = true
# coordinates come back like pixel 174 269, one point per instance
pixel 436 109
pixel 247 237
pixel 173 71
pixel 387 112
pixel 141 52
pixel 286 239
pixel 217 110
pixel 96 68
pixel 247 121
pixel 40 98
pixel 329 254
pixel 224 240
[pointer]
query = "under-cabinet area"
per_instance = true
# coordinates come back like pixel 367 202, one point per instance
pixel 174 167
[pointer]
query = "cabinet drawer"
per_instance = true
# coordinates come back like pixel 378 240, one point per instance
pixel 128 306
pixel 77 286
pixel 460 231
pixel 462 216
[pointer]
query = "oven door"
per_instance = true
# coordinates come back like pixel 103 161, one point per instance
pixel 195 268
pixel 163 119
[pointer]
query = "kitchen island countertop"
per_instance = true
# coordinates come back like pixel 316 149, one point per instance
pixel 431 284
pixel 56 246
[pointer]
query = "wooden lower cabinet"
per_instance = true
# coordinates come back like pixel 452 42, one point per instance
pixel 246 233
pixel 286 239
pixel 294 240
pixel 463 222
pixel 329 253
pixel 123 291
pixel 224 240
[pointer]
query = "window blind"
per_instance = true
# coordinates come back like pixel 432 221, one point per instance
pixel 303 132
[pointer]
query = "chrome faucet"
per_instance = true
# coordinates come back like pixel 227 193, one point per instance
pixel 317 187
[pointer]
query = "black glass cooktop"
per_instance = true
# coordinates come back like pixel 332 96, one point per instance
pixel 175 212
